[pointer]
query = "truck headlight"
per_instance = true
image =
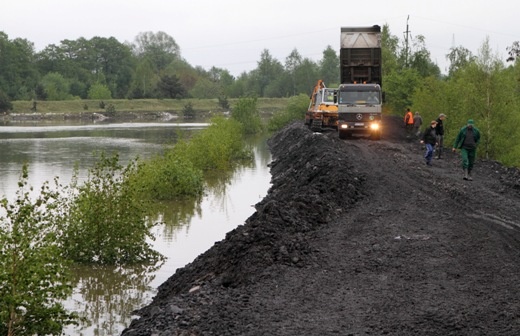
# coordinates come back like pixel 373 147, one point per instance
pixel 374 126
pixel 344 126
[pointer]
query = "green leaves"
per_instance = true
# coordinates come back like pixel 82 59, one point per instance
pixel 246 112
pixel 34 276
pixel 106 218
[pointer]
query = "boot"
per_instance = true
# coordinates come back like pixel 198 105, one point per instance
pixel 469 175
pixel 466 176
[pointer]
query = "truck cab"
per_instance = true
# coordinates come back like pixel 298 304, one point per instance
pixel 359 110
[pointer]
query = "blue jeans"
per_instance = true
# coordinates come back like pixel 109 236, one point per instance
pixel 429 152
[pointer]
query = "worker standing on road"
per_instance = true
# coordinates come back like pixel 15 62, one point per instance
pixel 467 140
pixel 408 123
pixel 440 134
pixel 417 123
pixel 429 138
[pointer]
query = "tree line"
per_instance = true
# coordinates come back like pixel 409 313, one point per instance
pixel 480 86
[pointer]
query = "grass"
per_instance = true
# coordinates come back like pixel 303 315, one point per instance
pixel 265 105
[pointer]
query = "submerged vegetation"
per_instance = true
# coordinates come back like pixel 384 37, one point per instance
pixel 103 221
pixel 34 274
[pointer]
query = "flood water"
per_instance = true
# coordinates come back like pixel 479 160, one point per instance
pixel 106 296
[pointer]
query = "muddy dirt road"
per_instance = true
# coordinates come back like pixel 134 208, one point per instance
pixel 357 237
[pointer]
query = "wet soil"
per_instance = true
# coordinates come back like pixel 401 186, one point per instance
pixel 357 237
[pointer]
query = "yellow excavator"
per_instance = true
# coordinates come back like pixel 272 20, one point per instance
pixel 323 108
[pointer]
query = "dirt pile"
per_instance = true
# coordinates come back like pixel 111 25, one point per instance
pixel 357 237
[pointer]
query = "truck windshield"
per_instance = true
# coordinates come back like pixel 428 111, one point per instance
pixel 359 97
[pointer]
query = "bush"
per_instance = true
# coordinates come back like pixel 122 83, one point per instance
pixel 34 276
pixel 246 112
pixel 188 112
pixel 217 147
pixel 98 92
pixel 223 102
pixel 166 177
pixel 105 220
pixel 295 110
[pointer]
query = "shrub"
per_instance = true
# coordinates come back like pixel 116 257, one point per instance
pixel 223 102
pixel 295 110
pixel 99 91
pixel 111 109
pixel 188 112
pixel 246 112
pixel 217 147
pixel 166 177
pixel 34 276
pixel 106 223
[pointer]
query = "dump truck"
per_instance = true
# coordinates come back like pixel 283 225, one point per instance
pixel 322 112
pixel 359 96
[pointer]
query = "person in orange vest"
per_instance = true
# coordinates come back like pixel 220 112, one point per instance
pixel 408 123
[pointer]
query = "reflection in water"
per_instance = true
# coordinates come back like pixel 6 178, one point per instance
pixel 106 296
pixel 175 214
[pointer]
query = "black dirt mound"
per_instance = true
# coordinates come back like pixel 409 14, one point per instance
pixel 357 237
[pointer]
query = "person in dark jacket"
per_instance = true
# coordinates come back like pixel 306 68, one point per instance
pixel 429 138
pixel 467 141
pixel 440 134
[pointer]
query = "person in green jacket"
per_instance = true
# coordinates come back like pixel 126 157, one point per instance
pixel 467 141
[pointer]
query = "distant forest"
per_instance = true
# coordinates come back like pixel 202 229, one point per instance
pixel 481 86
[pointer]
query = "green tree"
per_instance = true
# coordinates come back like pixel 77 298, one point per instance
pixel 458 57
pixel 420 59
pixel 267 71
pixel 5 103
pixel 144 82
pixel 292 62
pixel 56 87
pixel 99 91
pixel 246 112
pixel 389 51
pixel 34 276
pixel 329 67
pixel 160 49
pixel 205 89
pixel 18 73
pixel 223 78
pixel 400 88
pixel 169 86
pixel 306 76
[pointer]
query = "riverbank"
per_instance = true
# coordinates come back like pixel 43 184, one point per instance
pixel 134 109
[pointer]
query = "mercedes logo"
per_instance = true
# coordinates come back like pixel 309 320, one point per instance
pixel 359 116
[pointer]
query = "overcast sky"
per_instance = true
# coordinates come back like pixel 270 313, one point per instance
pixel 232 34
